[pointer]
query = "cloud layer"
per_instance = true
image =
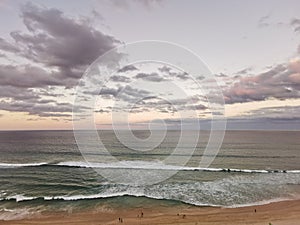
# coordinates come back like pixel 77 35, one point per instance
pixel 58 48
pixel 54 50
pixel 281 82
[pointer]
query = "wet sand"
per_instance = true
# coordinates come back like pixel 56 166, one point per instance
pixel 279 213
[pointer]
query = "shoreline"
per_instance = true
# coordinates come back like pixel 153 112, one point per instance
pixel 286 212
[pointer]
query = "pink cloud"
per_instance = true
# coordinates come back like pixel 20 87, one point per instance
pixel 295 78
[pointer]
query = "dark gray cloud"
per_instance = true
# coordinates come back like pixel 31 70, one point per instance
pixel 131 94
pixel 102 111
pixel 25 76
pixel 181 75
pixel 154 77
pixel 109 91
pixel 221 75
pixel 6 46
pixel 296 24
pixel 125 93
pixel 33 77
pixel 40 108
pixel 140 100
pixel 152 103
pixel 24 94
pixel 45 114
pixel 170 73
pixel 63 45
pixel 127 68
pixel 58 42
pixel 104 91
pixel 172 105
pixel 120 78
pixel 165 69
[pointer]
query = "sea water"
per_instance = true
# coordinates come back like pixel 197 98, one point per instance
pixel 44 171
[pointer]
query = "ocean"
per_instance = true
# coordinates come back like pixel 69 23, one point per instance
pixel 43 171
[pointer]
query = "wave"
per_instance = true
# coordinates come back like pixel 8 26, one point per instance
pixel 15 214
pixel 9 165
pixel 232 191
pixel 142 165
pixel 22 198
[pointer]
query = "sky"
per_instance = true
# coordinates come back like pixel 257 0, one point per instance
pixel 251 49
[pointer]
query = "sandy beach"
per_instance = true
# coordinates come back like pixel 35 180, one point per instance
pixel 279 213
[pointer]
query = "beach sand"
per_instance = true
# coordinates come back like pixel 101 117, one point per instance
pixel 279 213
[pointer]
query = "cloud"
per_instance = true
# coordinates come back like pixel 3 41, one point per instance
pixel 263 21
pixel 102 111
pixel 103 91
pixel 165 69
pixel 25 76
pixel 170 105
pixel 127 68
pixel 296 24
pixel 6 46
pixel 125 4
pixel 287 112
pixel 18 93
pixel 120 78
pixel 58 49
pixel 154 77
pixel 58 42
pixel 221 75
pixel 126 93
pixel 131 94
pixel 168 71
pixel 280 82
pixel 2 55
pixel 42 109
pixel 244 71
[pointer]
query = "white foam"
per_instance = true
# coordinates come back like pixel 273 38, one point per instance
pixel 8 165
pixel 151 165
pixel 264 202
pixel 16 214
pixel 85 197
pixel 158 165
pixel 293 171
pixel 19 198
pixel 142 165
